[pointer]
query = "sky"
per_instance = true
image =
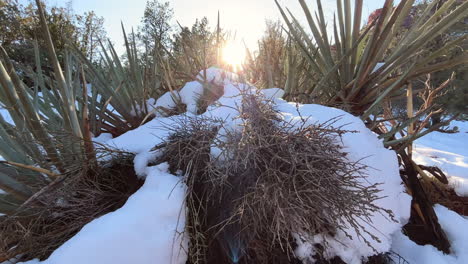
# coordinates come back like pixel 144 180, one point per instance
pixel 245 19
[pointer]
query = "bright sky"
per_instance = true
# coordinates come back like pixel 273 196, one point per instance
pixel 244 18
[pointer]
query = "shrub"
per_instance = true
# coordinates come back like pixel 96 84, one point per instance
pixel 272 182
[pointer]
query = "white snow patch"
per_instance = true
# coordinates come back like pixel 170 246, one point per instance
pixel 189 95
pixel 449 152
pixel 142 160
pixel 144 137
pixel 102 138
pixel 456 228
pixel 217 76
pixel 192 91
pixel 6 115
pixel 167 101
pixel 378 66
pixel 273 93
pixel 459 185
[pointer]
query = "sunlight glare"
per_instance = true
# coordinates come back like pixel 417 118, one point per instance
pixel 234 54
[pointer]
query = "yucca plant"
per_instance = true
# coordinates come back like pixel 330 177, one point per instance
pixel 54 121
pixel 122 87
pixel 52 179
pixel 34 147
pixel 351 67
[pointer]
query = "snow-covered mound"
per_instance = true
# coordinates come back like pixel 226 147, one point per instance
pixel 147 228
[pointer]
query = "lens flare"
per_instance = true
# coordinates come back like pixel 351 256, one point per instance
pixel 234 54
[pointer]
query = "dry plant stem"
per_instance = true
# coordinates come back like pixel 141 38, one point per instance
pixel 436 172
pixel 87 138
pixel 29 167
pixel 33 199
pixel 418 124
pixel 422 202
pixel 409 110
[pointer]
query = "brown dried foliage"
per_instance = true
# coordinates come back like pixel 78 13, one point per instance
pixel 36 230
pixel 273 179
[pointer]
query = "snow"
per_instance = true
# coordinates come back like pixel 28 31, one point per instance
pixel 144 137
pixel 149 228
pixel 5 114
pixel 217 76
pixel 456 228
pixel 167 101
pixel 192 91
pixel 189 95
pixel 378 66
pixel 273 93
pixel 103 137
pixel 449 152
pixel 459 185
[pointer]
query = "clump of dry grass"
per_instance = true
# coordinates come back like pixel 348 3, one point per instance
pixel 82 195
pixel 273 179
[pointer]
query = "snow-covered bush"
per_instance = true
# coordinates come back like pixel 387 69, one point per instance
pixel 273 181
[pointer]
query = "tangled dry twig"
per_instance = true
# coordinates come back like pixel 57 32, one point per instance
pixel 273 179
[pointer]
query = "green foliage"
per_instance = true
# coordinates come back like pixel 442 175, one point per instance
pixel 90 30
pixel 20 27
pixel 50 135
pixel 266 67
pixel 344 71
pixel 338 70
pixel 155 29
pixel 456 94
pixel 10 21
pixel 183 55
pixel 197 48
pixel 125 87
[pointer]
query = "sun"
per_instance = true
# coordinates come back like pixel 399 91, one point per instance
pixel 233 54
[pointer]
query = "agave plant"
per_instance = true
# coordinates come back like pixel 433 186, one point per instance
pixel 351 68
